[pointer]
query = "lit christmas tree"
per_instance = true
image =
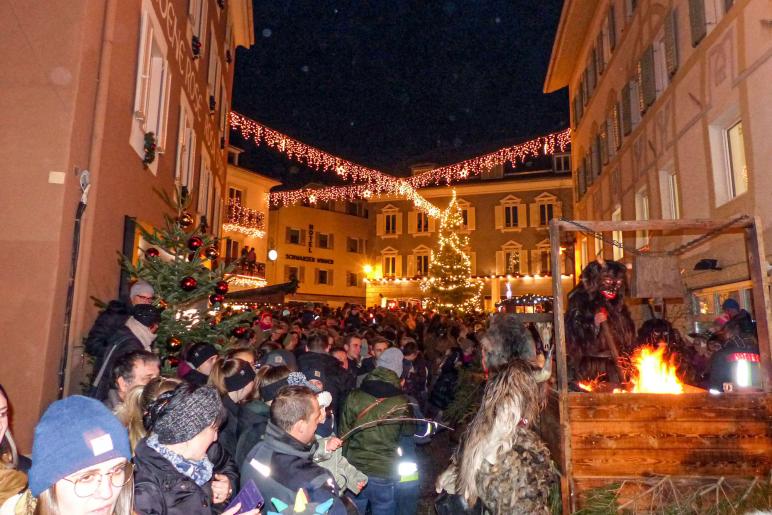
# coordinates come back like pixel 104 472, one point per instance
pixel 450 271
pixel 190 292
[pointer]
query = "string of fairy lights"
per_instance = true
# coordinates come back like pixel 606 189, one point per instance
pixel 244 220
pixel 367 182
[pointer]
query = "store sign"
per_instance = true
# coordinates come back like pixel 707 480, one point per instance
pixel 310 237
pixel 308 259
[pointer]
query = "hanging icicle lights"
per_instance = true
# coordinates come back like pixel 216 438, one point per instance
pixel 370 182
pixel 244 220
pixel 374 182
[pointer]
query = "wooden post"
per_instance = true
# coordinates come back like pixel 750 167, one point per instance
pixel 757 264
pixel 560 356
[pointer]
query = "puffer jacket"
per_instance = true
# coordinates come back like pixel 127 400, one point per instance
pixel 160 489
pixel 374 450
pixel 110 320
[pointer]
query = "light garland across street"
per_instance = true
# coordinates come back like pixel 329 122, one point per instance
pixel 369 182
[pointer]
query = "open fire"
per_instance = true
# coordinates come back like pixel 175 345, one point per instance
pixel 651 371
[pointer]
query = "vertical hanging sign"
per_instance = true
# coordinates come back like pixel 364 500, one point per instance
pixel 310 236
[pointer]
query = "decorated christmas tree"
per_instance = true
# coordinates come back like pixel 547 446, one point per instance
pixel 181 265
pixel 450 270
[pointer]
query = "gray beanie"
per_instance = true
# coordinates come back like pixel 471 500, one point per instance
pixel 392 358
pixel 188 411
pixel 141 288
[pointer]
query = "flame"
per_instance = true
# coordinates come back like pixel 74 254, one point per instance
pixel 653 372
pixel 587 386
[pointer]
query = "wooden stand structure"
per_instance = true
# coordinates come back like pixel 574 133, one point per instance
pixel 601 438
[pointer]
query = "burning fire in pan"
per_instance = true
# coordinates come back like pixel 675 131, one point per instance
pixel 651 371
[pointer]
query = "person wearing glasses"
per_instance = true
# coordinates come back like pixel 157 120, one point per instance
pixel 80 462
pixel 114 317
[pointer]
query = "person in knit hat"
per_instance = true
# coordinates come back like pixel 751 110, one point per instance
pixel 80 460
pixel 174 474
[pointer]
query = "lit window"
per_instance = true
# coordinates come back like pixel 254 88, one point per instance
pixel 730 170
pixel 389 266
pixel 422 265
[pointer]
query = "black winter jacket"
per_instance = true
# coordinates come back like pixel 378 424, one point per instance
pixel 110 320
pixel 159 489
pixel 328 370
pixel 122 342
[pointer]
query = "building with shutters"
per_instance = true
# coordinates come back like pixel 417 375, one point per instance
pixel 669 120
pixel 245 223
pixel 324 246
pixel 506 213
pixel 137 94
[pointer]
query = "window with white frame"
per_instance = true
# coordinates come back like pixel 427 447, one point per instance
pixel 151 95
pixel 541 262
pixel 642 213
pixel 214 78
pixel 225 109
pixel 618 236
pixel 185 168
pixel 511 259
pixel 510 214
pixel 294 236
pixel 391 263
pixel 418 262
pixel 197 17
pixel 730 169
pixel 324 241
pixel 661 75
pixel 352 279
pixel 422 221
pixel 468 222
pixel 546 206
pixel 217 210
pixel 561 163
pixel 293 272
pixel 389 222
pixel 323 276
pixel 228 42
pixel 236 195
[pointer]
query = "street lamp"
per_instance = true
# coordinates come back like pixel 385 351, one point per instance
pixel 273 255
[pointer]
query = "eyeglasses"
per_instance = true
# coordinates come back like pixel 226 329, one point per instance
pixel 144 297
pixel 87 484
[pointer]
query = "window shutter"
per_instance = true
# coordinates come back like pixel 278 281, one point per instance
pixel 399 224
pixel 330 241
pixel 617 122
pixel 330 278
pixel 316 238
pixel 411 265
pixel 301 274
pixel 671 42
pixel 534 214
pixel 286 273
pixel 604 142
pixel 627 123
pixel 595 172
pixel 287 235
pixel 591 74
pixel 522 215
pixel 536 261
pixel 500 262
pixel 697 21
pixel 580 180
pixel 557 209
pixel 432 223
pixel 143 69
pixel 473 259
pixel 398 267
pixel 316 276
pixel 303 237
pixel 580 102
pixel 648 81
pixel 412 222
pixel 470 219
pixel 612 28
pixel 380 225
pixel 523 262
pixel 599 54
pixel 498 215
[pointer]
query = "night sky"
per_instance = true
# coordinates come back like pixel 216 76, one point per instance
pixel 388 82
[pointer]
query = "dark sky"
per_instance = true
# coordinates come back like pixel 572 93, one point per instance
pixel 383 82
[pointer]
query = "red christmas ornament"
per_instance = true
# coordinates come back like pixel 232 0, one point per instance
pixel 174 342
pixel 221 287
pixel 152 252
pixel 173 361
pixel 185 220
pixel 239 331
pixel 211 253
pixel 188 283
pixel 216 298
pixel 195 243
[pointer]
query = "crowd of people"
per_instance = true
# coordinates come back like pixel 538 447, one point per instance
pixel 314 405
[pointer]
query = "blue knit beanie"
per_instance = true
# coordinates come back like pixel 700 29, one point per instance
pixel 73 434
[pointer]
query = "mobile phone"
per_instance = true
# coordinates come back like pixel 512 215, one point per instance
pixel 249 497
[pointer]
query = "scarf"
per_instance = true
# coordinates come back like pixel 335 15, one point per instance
pixel 200 471
pixel 141 331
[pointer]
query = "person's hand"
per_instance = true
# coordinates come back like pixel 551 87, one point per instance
pixel 333 444
pixel 362 484
pixel 600 317
pixel 235 510
pixel 221 489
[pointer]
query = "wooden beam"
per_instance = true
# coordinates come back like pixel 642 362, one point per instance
pixel 757 263
pixel 651 225
pixel 560 357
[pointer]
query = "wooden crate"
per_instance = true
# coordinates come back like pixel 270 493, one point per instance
pixel 612 437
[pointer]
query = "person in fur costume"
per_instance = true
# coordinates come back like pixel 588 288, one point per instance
pixel 502 466
pixel 599 328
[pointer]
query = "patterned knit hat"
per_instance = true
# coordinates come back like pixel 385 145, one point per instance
pixel 181 414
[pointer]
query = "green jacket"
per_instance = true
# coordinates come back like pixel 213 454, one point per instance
pixel 374 450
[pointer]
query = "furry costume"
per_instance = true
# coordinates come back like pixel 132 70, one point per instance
pixel 501 462
pixel 591 348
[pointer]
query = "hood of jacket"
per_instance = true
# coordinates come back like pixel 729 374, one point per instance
pixel 382 382
pixel 283 443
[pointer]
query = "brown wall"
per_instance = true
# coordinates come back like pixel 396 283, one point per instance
pixel 58 119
